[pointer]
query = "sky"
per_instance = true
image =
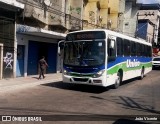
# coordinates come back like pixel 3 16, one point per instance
pixel 148 1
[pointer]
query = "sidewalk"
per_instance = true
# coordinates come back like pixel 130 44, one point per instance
pixel 13 84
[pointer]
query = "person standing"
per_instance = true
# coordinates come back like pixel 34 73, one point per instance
pixel 42 65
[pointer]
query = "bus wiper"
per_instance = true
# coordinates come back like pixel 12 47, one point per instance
pixel 90 59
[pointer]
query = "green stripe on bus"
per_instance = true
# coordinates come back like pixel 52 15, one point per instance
pixel 114 69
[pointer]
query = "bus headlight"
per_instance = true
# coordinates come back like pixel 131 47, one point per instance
pixel 98 74
pixel 66 72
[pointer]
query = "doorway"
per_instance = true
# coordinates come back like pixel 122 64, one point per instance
pixel 1 60
pixel 20 61
pixel 38 49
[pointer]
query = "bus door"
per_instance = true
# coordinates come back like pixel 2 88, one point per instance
pixel 111 52
pixel 111 49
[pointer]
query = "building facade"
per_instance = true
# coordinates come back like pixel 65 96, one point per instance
pixel 32 44
pixel 91 14
pixel 130 18
pixel 39 29
pixel 116 11
pixel 108 14
pixel 149 15
pixel 9 10
pixel 33 28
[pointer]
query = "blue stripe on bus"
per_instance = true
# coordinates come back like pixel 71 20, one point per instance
pixel 110 64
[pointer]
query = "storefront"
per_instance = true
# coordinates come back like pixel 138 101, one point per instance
pixel 32 44
pixel 38 49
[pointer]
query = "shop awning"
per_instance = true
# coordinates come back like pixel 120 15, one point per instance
pixel 28 30
pixel 11 4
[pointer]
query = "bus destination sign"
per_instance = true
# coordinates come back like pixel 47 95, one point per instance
pixel 88 35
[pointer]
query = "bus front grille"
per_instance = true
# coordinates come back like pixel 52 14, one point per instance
pixel 81 79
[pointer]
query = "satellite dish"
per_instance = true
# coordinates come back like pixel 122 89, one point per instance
pixel 47 2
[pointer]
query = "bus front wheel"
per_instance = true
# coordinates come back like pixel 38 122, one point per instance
pixel 118 80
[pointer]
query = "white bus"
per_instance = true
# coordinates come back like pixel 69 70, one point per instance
pixel 103 57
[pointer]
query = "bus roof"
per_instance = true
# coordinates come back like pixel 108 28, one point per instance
pixel 116 34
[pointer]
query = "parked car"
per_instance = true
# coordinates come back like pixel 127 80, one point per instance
pixel 156 62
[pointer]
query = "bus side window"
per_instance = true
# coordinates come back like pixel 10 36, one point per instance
pixel 133 48
pixel 138 49
pixel 119 46
pixel 127 47
pixel 146 51
pixel 143 50
pixel 111 50
pixel 149 51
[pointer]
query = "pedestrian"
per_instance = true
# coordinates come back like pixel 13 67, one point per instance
pixel 42 65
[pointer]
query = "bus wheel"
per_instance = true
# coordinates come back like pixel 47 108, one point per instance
pixel 118 81
pixel 142 74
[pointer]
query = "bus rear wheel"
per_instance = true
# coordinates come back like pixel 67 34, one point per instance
pixel 118 80
pixel 142 74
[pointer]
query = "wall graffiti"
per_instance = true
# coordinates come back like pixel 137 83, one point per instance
pixel 8 59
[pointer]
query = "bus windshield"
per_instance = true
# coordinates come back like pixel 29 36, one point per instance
pixel 84 53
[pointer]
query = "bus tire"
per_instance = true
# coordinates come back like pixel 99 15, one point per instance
pixel 142 74
pixel 118 80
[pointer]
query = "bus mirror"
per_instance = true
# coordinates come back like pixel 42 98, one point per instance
pixel 60 46
pixel 111 44
pixel 59 51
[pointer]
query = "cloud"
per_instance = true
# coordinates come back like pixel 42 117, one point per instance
pixel 148 1
pixel 158 1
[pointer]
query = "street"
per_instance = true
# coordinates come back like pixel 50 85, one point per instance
pixel 134 97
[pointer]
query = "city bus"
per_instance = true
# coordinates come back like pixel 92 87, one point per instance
pixel 102 57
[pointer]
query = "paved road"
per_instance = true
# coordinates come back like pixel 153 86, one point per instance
pixel 135 97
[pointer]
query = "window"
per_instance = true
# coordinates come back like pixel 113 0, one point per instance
pixel 109 10
pixel 119 46
pixel 127 47
pixel 149 51
pixel 133 49
pixel 141 47
pixel 111 50
pixel 138 46
pixel 143 50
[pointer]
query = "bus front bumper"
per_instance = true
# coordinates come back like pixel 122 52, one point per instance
pixel 84 80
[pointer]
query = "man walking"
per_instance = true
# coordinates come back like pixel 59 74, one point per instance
pixel 42 64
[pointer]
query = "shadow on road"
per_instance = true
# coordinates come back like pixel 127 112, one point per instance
pixel 78 87
pixel 131 103
pixel 36 77
pixel 134 104
pixel 156 69
pixel 127 121
pixel 51 115
pixel 85 88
